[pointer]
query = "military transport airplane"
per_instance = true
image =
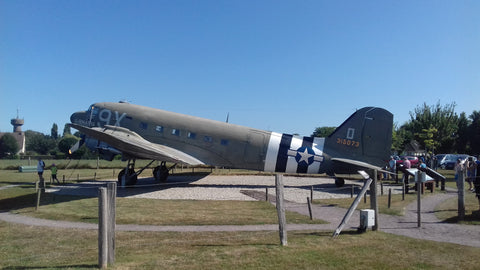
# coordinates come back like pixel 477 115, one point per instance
pixel 138 132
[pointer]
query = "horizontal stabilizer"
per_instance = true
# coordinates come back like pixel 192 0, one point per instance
pixel 360 164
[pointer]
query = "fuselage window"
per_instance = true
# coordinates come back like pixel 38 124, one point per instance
pixel 176 132
pixel 159 129
pixel 192 135
pixel 143 125
pixel 224 142
pixel 208 139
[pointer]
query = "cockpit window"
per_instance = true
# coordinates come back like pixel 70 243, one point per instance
pixel 92 113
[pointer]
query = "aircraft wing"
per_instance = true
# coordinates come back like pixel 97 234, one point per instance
pixel 134 145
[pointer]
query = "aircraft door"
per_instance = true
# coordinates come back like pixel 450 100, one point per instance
pixel 254 154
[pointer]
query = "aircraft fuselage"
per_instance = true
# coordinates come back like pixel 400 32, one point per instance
pixel 228 145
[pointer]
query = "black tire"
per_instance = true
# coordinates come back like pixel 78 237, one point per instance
pixel 339 182
pixel 131 177
pixel 161 173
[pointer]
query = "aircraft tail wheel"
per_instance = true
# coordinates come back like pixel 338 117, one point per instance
pixel 161 173
pixel 131 177
pixel 339 182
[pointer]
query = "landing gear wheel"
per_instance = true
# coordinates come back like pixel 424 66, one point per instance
pixel 161 173
pixel 339 182
pixel 130 178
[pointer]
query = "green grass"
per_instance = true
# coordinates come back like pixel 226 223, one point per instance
pixel 151 211
pixel 33 247
pixel 48 248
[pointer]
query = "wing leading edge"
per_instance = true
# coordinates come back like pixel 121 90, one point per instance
pixel 132 144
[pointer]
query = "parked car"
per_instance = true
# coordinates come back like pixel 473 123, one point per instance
pixel 449 163
pixel 447 158
pixel 413 160
pixel 440 159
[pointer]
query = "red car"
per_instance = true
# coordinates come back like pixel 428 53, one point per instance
pixel 413 160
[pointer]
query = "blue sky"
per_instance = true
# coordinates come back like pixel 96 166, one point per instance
pixel 285 66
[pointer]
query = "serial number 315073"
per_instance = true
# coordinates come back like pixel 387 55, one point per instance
pixel 348 142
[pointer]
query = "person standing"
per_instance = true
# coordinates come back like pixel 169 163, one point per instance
pixel 53 169
pixel 392 165
pixel 40 169
pixel 406 165
pixel 422 164
pixel 459 168
pixel 471 167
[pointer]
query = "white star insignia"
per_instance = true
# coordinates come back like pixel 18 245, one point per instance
pixel 304 156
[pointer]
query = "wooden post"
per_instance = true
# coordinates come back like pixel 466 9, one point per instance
pixel 419 179
pixel 266 194
pixel 354 204
pixel 389 197
pixel 95 176
pixel 309 208
pixel 39 192
pixel 381 188
pixel 373 199
pixel 102 228
pixel 282 222
pixel 112 206
pixel 63 179
pixel 461 195
pixel 311 193
pixel 41 185
pixel 403 192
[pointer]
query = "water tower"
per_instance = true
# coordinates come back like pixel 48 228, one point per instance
pixel 17 124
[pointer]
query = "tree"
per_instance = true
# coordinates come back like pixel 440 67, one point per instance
pixel 444 119
pixel 323 131
pixel 54 131
pixel 66 143
pixel 428 137
pixel 8 146
pixel 402 137
pixel 398 139
pixel 474 132
pixel 461 140
pixel 39 143
pixel 66 130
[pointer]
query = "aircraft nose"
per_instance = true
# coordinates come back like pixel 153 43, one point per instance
pixel 79 118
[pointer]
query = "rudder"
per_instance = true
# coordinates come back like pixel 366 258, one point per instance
pixel 365 136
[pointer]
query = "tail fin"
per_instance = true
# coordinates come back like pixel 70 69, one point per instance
pixel 365 136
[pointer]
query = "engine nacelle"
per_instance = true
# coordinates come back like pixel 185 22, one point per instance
pixel 106 151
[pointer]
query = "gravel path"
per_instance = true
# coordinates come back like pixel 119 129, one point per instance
pixel 255 187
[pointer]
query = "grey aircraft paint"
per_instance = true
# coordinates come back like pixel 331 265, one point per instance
pixel 148 133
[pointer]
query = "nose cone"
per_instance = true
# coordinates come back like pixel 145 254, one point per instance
pixel 79 118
